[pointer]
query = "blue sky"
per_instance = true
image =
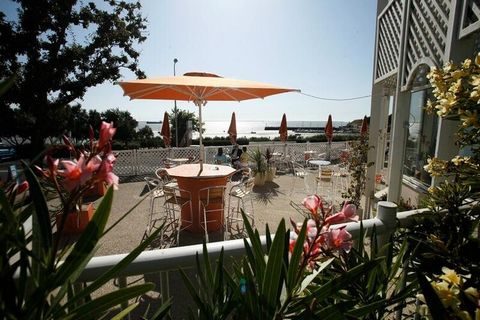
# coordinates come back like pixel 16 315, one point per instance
pixel 325 48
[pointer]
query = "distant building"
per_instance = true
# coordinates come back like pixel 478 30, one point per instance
pixel 411 37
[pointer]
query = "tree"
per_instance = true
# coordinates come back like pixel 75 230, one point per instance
pixel 77 123
pixel 124 122
pixel 58 49
pixel 183 117
pixel 145 133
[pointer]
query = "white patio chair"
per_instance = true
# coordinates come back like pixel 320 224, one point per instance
pixel 211 200
pixel 176 200
pixel 241 194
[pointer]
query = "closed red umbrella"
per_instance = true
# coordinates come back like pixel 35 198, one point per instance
pixel 232 130
pixel 364 129
pixel 329 128
pixel 165 132
pixel 283 129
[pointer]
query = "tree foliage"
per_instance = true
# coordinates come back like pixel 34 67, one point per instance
pixel 123 121
pixel 183 116
pixel 58 49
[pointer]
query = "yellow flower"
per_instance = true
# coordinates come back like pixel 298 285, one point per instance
pixel 447 67
pixel 472 292
pixel 477 59
pixel 447 294
pixel 458 160
pixel 467 63
pixel 450 276
pixel 435 167
pixel 470 119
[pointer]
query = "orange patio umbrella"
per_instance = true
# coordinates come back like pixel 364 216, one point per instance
pixel 283 131
pixel 165 132
pixel 199 87
pixel 232 130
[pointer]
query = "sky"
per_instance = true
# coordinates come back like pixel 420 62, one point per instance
pixel 324 48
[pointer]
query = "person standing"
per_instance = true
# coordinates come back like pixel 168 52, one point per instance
pixel 235 156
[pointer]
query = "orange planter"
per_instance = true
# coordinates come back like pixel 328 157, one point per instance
pixel 98 189
pixel 76 221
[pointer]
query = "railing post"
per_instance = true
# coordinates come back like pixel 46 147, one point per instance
pixel 122 283
pixel 387 213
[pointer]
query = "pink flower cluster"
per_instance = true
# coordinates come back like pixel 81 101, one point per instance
pixel 321 237
pixel 89 167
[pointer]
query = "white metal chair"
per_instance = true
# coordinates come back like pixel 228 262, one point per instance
pixel 155 191
pixel 176 200
pixel 211 200
pixel 166 180
pixel 326 183
pixel 241 193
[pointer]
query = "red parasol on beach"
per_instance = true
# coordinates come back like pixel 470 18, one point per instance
pixel 283 129
pixel 232 130
pixel 329 129
pixel 165 132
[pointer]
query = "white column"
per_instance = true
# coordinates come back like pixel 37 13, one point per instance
pixel 373 132
pixel 445 148
pixel 401 112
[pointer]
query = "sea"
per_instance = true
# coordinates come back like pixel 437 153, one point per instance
pixel 249 129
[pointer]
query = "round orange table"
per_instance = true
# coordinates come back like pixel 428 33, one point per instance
pixel 190 178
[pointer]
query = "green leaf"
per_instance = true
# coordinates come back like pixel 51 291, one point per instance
pixel 97 306
pixel 124 312
pixel 435 306
pixel 294 265
pixel 273 278
pixel 308 279
pixel 41 227
pixel 69 270
pixel 5 85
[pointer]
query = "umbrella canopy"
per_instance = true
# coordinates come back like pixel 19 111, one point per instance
pixel 283 129
pixel 165 132
pixel 199 87
pixel 329 128
pixel 232 130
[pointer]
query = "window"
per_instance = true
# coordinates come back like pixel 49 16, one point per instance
pixel 421 137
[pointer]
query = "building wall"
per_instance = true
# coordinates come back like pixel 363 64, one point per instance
pixel 411 34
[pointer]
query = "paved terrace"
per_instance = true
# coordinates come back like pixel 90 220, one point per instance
pixel 271 204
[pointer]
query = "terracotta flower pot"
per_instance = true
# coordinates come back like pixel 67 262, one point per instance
pixel 260 178
pixel 97 190
pixel 270 174
pixel 76 221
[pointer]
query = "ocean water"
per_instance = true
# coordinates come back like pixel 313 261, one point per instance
pixel 246 129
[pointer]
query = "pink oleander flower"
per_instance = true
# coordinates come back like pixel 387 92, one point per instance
pixel 107 131
pixel 22 187
pixel 312 203
pixel 105 172
pixel 348 213
pixel 76 173
pixel 340 239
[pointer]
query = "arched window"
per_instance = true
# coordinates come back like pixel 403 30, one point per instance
pixel 422 129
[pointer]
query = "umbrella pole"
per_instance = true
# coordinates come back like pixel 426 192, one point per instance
pixel 200 103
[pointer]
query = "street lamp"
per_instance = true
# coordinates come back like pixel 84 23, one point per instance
pixel 175 108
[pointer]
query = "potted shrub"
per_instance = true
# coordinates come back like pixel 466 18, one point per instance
pixel 260 166
pixel 271 169
pixel 76 221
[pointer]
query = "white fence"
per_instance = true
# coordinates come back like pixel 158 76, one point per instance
pixel 145 161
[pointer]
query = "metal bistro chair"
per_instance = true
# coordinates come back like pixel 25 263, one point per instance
pixel 326 183
pixel 162 174
pixel 155 191
pixel 175 201
pixel 211 200
pixel 242 194
pixel 298 172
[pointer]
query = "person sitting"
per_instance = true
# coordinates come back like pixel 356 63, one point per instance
pixel 235 156
pixel 244 158
pixel 220 157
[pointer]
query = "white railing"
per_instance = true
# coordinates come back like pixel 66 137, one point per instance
pixel 162 261
pixel 145 161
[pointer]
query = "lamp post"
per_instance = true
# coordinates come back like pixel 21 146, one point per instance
pixel 175 108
